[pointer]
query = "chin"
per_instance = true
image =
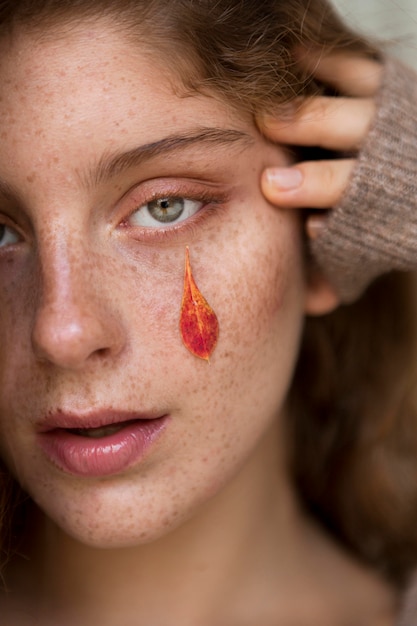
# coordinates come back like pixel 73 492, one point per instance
pixel 111 517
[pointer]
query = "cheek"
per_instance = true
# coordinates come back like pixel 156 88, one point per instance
pixel 260 296
pixel 256 290
pixel 252 278
pixel 16 307
pixel 233 401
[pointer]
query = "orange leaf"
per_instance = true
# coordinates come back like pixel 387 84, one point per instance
pixel 198 322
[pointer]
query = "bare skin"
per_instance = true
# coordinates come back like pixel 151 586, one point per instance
pixel 206 528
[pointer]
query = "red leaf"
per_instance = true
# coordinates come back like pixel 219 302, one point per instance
pixel 198 322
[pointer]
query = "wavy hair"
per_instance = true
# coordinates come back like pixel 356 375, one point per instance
pixel 353 406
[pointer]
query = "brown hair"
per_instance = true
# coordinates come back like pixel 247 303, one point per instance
pixel 353 409
pixel 354 404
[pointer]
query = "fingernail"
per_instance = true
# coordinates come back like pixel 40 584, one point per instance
pixel 315 225
pixel 284 178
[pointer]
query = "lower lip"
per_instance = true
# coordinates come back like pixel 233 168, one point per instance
pixel 105 456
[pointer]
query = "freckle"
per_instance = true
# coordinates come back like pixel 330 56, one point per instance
pixel 31 178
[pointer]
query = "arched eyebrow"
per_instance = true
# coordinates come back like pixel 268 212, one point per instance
pixel 112 165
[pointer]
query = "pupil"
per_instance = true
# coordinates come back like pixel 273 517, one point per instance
pixel 166 209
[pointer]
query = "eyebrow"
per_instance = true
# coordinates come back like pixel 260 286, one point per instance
pixel 109 166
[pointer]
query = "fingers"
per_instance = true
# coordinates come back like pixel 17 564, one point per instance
pixel 336 123
pixel 318 184
pixel 333 123
pixel 349 73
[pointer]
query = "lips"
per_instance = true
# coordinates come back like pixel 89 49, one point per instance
pixel 101 431
pixel 102 443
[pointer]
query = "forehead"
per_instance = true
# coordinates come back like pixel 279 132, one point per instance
pixel 90 82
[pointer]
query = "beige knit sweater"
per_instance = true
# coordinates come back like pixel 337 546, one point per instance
pixel 373 230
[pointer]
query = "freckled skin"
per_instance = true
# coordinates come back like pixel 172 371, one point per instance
pixel 89 318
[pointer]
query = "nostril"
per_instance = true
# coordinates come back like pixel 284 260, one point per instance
pixel 69 340
pixel 103 352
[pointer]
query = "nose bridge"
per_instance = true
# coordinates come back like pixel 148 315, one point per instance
pixel 72 318
pixel 63 265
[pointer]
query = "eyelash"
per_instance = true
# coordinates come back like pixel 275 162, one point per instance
pixel 212 203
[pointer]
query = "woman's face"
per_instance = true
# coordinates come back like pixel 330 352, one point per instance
pixel 93 132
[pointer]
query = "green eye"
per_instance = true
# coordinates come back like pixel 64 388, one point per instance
pixel 168 210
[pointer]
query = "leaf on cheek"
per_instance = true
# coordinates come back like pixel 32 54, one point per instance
pixel 198 322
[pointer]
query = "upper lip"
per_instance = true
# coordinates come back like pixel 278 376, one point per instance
pixel 92 419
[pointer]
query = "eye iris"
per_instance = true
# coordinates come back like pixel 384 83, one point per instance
pixel 166 209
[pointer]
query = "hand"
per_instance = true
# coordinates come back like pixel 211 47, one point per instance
pixel 334 123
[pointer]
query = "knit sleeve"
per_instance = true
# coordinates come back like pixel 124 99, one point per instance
pixel 373 229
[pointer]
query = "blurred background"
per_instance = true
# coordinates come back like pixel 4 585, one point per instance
pixel 394 21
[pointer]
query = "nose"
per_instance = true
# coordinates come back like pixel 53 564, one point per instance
pixel 74 323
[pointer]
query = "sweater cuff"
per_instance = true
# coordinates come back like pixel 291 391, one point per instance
pixel 373 229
